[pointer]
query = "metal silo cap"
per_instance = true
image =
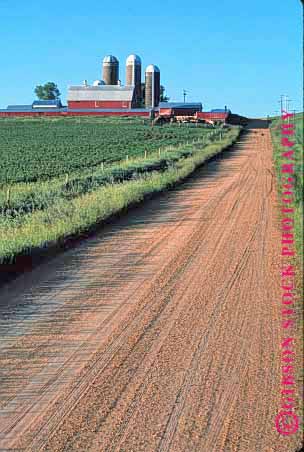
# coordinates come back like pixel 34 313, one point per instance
pixel 133 59
pixel 152 68
pixel 110 59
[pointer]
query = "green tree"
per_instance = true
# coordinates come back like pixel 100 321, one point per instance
pixel 163 97
pixel 48 91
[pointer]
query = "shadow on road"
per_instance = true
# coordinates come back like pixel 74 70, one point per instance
pixel 257 124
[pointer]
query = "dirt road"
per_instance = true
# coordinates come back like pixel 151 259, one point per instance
pixel 162 332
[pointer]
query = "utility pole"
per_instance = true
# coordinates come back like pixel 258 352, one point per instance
pixel 185 93
pixel 283 98
pixel 287 102
pixel 281 102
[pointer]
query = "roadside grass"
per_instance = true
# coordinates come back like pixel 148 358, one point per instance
pixel 298 148
pixel 75 215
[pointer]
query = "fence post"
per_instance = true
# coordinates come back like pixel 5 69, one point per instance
pixel 8 195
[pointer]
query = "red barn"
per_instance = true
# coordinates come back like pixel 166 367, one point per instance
pixel 102 96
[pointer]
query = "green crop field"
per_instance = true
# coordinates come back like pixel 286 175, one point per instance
pixel 34 149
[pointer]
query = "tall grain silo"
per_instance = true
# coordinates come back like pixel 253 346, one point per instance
pixel 110 70
pixel 152 86
pixel 133 75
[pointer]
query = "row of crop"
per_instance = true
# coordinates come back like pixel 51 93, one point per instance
pixel 41 149
pixel 33 200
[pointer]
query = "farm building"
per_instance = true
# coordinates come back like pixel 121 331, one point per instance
pixel 37 105
pixel 179 109
pixel 216 115
pixel 109 93
pixel 56 103
pixel 103 96
pixel 29 111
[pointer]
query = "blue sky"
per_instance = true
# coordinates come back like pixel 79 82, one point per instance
pixel 222 52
